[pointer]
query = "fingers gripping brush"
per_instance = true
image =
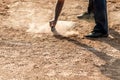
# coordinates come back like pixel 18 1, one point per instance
pixel 53 29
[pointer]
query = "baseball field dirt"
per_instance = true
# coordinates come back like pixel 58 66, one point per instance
pixel 29 51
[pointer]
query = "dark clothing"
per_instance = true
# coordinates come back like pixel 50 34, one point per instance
pixel 99 8
pixel 100 15
pixel 90 7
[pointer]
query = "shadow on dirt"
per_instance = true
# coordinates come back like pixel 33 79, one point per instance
pixel 112 67
pixel 114 41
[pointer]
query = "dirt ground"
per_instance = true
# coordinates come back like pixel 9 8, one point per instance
pixel 34 56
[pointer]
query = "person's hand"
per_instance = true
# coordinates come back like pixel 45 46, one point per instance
pixel 52 25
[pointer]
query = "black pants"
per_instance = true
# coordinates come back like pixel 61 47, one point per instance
pixel 100 15
pixel 99 8
pixel 90 7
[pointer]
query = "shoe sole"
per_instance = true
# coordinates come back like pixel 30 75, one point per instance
pixel 103 36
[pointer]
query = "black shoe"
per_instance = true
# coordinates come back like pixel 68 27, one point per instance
pixel 96 35
pixel 85 15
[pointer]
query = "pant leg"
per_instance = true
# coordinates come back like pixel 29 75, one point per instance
pixel 90 7
pixel 100 15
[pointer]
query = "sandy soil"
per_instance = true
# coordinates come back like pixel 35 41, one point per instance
pixel 34 56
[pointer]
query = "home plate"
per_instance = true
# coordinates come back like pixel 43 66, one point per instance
pixel 64 28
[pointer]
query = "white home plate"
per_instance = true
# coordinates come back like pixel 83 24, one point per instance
pixel 64 28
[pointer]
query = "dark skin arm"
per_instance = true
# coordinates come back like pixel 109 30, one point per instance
pixel 58 10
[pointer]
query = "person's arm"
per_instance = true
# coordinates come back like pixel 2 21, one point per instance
pixel 58 9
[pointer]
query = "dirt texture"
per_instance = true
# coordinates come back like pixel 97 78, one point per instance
pixel 28 55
